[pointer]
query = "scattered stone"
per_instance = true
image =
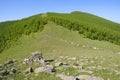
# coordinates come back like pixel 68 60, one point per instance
pixel 40 69
pixel 14 70
pixel 73 58
pixel 87 77
pixel 76 67
pixel 76 78
pixel 92 61
pixel 1 67
pixel 83 45
pixel 78 45
pixel 58 64
pixel 9 62
pixel 35 57
pixel 47 68
pixel 64 77
pixel 86 71
pixel 48 61
pixel 94 48
pixel 80 77
pixel 25 61
pixel 100 68
pixel 10 79
pixel 118 52
pixel 1 77
pixel 91 67
pixel 117 73
pixel 61 57
pixel 28 70
pixel 80 67
pixel 5 72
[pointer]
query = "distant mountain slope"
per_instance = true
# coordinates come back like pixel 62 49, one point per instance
pixel 90 26
pixel 88 19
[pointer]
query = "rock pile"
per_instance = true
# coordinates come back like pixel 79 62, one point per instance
pixel 7 69
pixel 47 68
pixel 35 57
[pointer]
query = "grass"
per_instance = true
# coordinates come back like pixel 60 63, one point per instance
pixel 55 41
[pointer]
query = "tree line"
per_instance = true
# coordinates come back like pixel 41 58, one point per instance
pixel 92 32
pixel 10 34
pixel 12 31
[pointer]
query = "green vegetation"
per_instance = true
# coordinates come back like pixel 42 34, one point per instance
pixel 12 31
pixel 54 44
pixel 81 35
pixel 90 26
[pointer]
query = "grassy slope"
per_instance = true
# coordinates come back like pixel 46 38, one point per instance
pixel 89 20
pixel 55 41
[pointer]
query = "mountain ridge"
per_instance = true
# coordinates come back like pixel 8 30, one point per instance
pixel 90 26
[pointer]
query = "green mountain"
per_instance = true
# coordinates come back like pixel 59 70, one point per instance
pixel 92 40
pixel 90 26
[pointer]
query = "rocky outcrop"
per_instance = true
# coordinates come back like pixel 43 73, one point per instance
pixel 47 68
pixel 35 57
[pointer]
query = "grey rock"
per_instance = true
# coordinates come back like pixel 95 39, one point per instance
pixel 9 62
pixel 5 72
pixel 47 68
pixel 64 77
pixel 1 77
pixel 1 67
pixel 35 57
pixel 28 70
pixel 14 70
pixel 10 79
pixel 76 78
pixel 58 64
pixel 40 69
pixel 72 58
pixel 86 71
pixel 87 77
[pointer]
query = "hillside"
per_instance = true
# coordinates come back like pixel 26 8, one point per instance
pixel 65 43
pixel 63 39
pixel 90 26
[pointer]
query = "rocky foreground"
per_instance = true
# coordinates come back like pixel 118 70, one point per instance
pixel 64 67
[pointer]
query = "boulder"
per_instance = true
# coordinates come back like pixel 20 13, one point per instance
pixel 88 77
pixel 47 68
pixel 35 57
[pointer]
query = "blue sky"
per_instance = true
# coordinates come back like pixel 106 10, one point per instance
pixel 17 9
